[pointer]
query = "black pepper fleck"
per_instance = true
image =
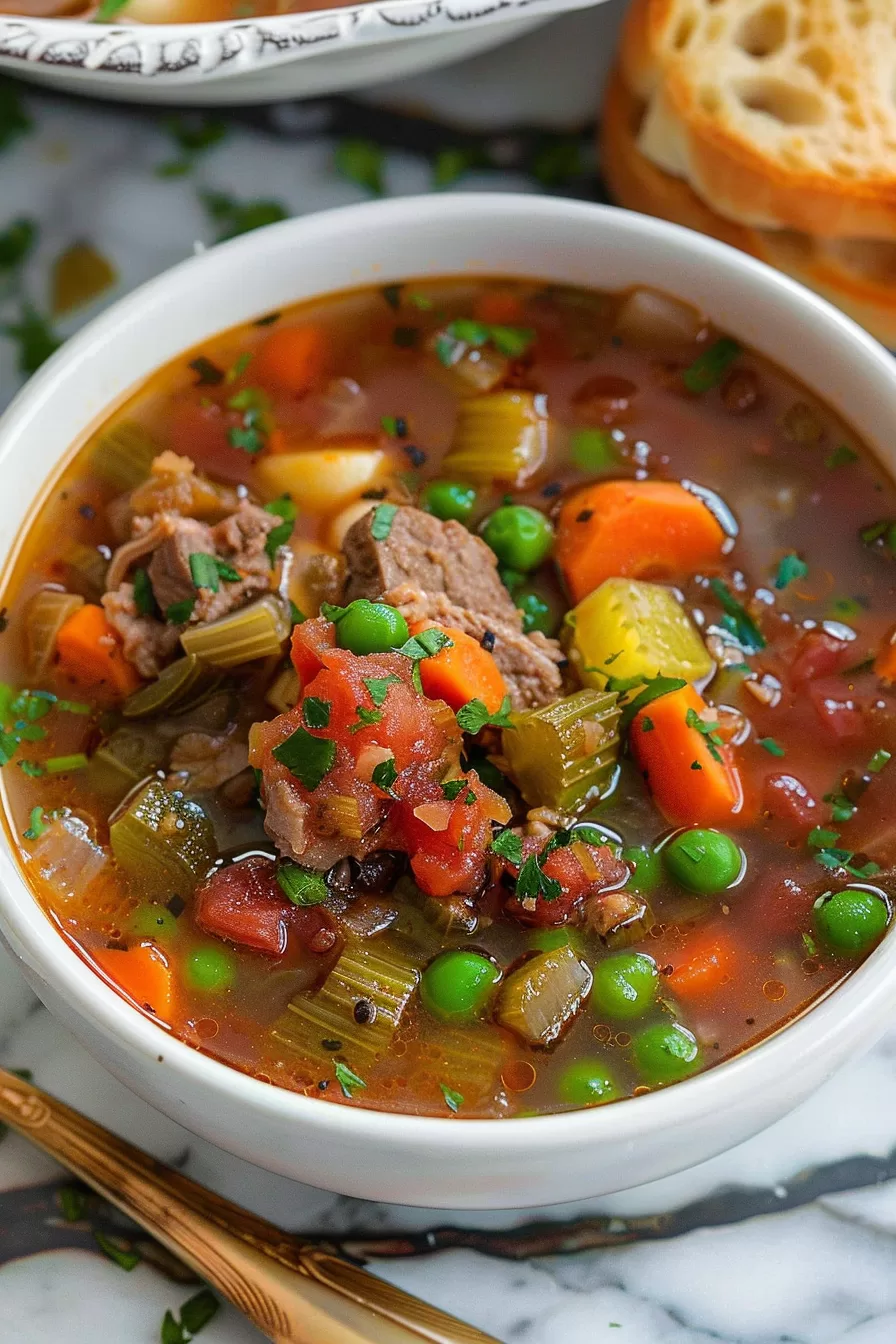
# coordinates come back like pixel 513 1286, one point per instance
pixel 87 511
pixel 416 456
pixel 323 1085
pixel 374 494
pixel 176 906
pixel 401 427
pixel 584 515
pixel 552 489
pixel 364 1012
pixel 331 1045
pixel 563 665
pixel 488 641
pixel 4 619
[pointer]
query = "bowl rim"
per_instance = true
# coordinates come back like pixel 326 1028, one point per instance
pixel 845 1015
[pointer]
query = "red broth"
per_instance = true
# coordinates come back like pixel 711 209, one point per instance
pixel 367 906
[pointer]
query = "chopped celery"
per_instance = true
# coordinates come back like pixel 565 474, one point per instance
pixel 88 566
pixel 626 629
pixel 502 436
pixel 470 1058
pixel 539 1000
pixel 256 631
pixel 477 365
pixel 450 914
pixel 187 678
pixel 340 815
pixel 564 755
pixel 126 758
pixel 283 692
pixel 124 454
pixel 381 977
pixel 46 613
pixel 164 839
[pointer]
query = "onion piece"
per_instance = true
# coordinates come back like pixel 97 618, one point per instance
pixel 651 318
pixel 435 815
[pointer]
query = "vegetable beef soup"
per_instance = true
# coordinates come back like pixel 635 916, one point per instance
pixel 461 698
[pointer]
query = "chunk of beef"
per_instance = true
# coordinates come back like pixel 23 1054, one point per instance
pixel 201 761
pixel 147 643
pixel 304 832
pixel 433 557
pixel 169 568
pixel 529 663
pixel 240 541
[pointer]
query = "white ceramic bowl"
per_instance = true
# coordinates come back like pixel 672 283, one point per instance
pixel 265 59
pixel 412 1160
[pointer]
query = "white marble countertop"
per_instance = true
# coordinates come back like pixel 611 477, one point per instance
pixel 788 1239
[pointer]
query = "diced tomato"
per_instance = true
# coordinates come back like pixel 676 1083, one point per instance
pixel 451 859
pixel 819 654
pixel 706 964
pixel 601 871
pixel 786 799
pixel 200 433
pixel 836 707
pixel 243 904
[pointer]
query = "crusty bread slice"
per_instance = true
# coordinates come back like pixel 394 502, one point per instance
pixel 779 113
pixel 858 276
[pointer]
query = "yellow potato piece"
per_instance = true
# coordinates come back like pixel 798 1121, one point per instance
pixel 320 480
pixel 626 628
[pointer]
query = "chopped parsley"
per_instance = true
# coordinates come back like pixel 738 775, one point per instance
pixel 647 724
pixel 382 520
pixel 841 456
pixel 453 1100
pixel 709 731
pixel 234 217
pixel 301 886
pixel 178 613
pixel 346 1079
pixel 878 761
pixel 810 945
pixel 32 769
pixel 452 788
pixel 195 1314
pixel 593 450
pixel 426 644
pixel 72 1202
pixel 395 426
pixel 125 1259
pixel 379 687
pixel 254 406
pixel 821 838
pixel 361 162
pixel 144 598
pixel 737 620
pixel 881 536
pixel 315 712
pixel 465 331
pixel 279 536
pixel 366 718
pixel 207 373
pixel 653 689
pixel 36 824
pixel 709 368
pixel 771 746
pixel 308 758
pixel 474 715
pixel 384 775
pixel 790 568
pixel 533 882
pixel 392 295
pixel 508 846
pixel 695 765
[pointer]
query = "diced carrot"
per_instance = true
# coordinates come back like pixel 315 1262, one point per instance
pixel 293 359
pixel 635 530
pixel 499 308
pixel 277 443
pixel 706 963
pixel 90 652
pixel 463 672
pixel 693 781
pixel 885 662
pixel 143 973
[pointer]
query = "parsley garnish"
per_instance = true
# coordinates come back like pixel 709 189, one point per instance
pixel 647 724
pixel 379 687
pixel 820 838
pixel 280 535
pixel 737 620
pixel 301 886
pixel 315 712
pixel 127 1260
pixel 384 775
pixel 508 846
pixel 771 746
pixel 347 1079
pixel 653 689
pixel 424 645
pixel 144 598
pixel 331 612
pixel 709 369
pixel 790 568
pixel 72 1201
pixel 474 715
pixel 880 535
pixel 178 613
pixel 207 373
pixel 534 882
pixel 842 456
pixel 453 1100
pixel 709 731
pixel 204 571
pixel 878 761
pixel 308 758
pixel 366 718
pixel 361 162
pixel 195 1314
pixel 382 520
pixel 234 217
pixel 452 788
pixel 36 824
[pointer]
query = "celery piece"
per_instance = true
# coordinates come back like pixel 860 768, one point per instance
pixel 360 1003
pixel 88 566
pixel 340 815
pixel 564 755
pixel 164 839
pixel 46 613
pixel 469 1058
pixel 256 631
pixel 539 1000
pixel 627 629
pixel 185 679
pixel 123 760
pixel 123 454
pixel 502 436
pixel 283 692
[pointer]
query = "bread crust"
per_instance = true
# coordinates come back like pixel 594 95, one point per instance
pixel 833 179
pixel 831 271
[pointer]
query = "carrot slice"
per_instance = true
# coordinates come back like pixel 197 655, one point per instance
pixel 90 653
pixel 635 530
pixel 143 973
pixel 707 962
pixel 693 781
pixel 463 672
pixel 293 359
pixel 498 307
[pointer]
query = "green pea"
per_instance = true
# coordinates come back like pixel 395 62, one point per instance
pixel 457 985
pixel 370 627
pixel 449 499
pixel 648 868
pixel 665 1053
pixel 520 536
pixel 587 1082
pixel 851 920
pixel 537 614
pixel 153 921
pixel 704 861
pixel 625 985
pixel 211 969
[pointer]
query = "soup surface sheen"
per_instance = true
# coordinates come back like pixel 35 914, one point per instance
pixel 462 698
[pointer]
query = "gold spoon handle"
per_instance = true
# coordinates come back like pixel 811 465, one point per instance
pixel 295 1293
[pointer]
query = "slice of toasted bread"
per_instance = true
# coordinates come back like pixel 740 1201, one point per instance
pixel 857 275
pixel 779 113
